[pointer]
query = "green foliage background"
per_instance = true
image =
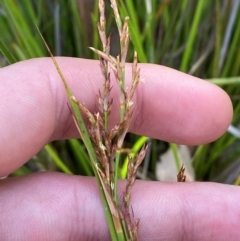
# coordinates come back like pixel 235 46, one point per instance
pixel 201 38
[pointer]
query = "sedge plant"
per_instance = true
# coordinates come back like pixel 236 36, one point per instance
pixel 179 34
pixel 105 144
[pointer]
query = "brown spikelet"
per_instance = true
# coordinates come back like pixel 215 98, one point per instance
pixel 108 143
pixel 181 175
pixel 131 178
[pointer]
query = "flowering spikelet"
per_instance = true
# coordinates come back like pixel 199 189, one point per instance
pixel 108 143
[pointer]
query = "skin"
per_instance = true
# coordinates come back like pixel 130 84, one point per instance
pixel 169 105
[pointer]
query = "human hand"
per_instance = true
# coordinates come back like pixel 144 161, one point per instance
pixel 51 206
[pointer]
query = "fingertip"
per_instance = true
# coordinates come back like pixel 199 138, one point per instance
pixel 180 108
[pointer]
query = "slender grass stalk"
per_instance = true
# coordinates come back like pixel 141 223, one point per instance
pixel 81 157
pixel 217 42
pixel 21 171
pixel 225 81
pixel 78 30
pixel 237 182
pixel 134 150
pixel 176 156
pixel 57 160
pixel 149 26
pixel 103 146
pixel 231 54
pixel 192 36
pixel 8 55
pixel 18 22
pixel 86 139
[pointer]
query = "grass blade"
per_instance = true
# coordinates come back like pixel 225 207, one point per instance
pixel 7 54
pixel 192 36
pixel 56 159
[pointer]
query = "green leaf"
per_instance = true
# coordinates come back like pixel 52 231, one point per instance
pixel 7 54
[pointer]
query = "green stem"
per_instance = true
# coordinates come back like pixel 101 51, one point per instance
pixel 176 156
pixel 57 160
pixel 8 55
pixel 116 166
pixel 188 53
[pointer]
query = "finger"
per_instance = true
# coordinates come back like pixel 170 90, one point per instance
pixel 51 206
pixel 169 105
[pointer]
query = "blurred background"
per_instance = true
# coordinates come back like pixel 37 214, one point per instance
pixel 201 38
